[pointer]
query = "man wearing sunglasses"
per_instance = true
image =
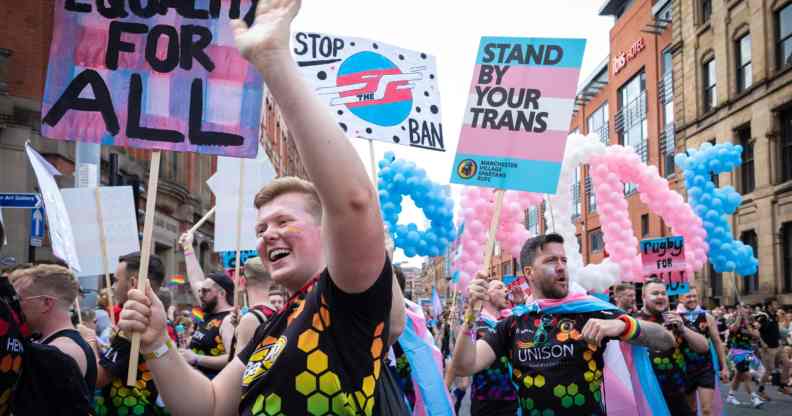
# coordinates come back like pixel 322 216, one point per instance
pixel 46 294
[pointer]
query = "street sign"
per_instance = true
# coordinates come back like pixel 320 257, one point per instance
pixel 20 200
pixel 37 227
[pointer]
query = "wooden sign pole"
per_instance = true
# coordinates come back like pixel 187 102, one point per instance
pixel 103 246
pixel 201 221
pixel 238 283
pixel 145 254
pixel 493 230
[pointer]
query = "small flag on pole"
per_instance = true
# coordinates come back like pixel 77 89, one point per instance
pixel 437 306
pixel 178 279
pixel 198 314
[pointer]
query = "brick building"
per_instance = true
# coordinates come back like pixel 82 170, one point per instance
pixel 733 78
pixel 183 196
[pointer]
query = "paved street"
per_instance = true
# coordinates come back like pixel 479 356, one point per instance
pixel 779 405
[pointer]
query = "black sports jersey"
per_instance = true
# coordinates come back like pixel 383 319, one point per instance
pixel 556 372
pixel 206 340
pixel 117 398
pixel 322 355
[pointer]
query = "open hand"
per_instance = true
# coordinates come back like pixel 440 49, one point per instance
pixel 270 30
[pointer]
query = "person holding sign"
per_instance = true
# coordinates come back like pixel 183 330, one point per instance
pixel 324 241
pixel 211 341
pixel 557 342
pixel 669 363
pixel 492 390
pixel 115 397
pixel 700 367
pixel 195 274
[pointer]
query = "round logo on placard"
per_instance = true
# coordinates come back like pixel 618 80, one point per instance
pixel 382 94
pixel 467 169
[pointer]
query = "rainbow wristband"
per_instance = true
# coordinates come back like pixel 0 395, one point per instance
pixel 631 329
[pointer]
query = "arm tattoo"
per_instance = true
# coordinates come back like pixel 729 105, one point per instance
pixel 654 336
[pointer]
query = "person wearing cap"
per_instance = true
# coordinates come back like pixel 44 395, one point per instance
pixel 211 341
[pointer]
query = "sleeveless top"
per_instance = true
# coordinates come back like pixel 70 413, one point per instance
pixel 90 357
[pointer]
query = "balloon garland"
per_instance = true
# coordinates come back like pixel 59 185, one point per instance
pixel 609 172
pixel 713 205
pixel 399 178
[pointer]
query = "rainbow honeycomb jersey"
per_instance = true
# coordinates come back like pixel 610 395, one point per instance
pixel 493 392
pixel 697 363
pixel 206 340
pixel 556 372
pixel 669 366
pixel 322 355
pixel 119 399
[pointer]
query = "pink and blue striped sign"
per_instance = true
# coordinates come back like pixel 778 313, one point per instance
pixel 519 108
pixel 154 75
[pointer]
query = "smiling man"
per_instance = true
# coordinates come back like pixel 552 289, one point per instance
pixel 322 240
pixel 669 363
pixel 555 348
pixel 211 341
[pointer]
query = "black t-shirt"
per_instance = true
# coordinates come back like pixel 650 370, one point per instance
pixel 669 366
pixel 556 372
pixel 322 354
pixel 117 398
pixel 207 340
pixel 697 363
pixel 741 339
pixel 769 330
pixel 492 390
pixel 11 347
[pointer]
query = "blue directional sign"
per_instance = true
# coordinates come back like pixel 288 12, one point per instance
pixel 37 227
pixel 20 200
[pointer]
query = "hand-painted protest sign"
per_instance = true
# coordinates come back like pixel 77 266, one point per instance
pixel 375 90
pixel 60 228
pixel 119 222
pixel 166 75
pixel 225 186
pixel 518 113
pixel 664 258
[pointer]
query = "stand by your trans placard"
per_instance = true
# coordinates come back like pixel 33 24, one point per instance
pixel 518 113
pixel 664 259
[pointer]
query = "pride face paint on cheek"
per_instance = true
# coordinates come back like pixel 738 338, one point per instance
pixel 292 230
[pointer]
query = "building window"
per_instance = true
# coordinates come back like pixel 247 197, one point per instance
pixel 575 193
pixel 785 121
pixel 706 10
pixel 595 240
pixel 580 243
pixel 786 247
pixel 743 59
pixel 668 137
pixel 575 131
pixel 592 199
pixel 631 122
pixel 750 284
pixel 644 225
pixel 714 177
pixel 533 220
pixel 747 181
pixel 598 123
pixel 708 81
pixel 784 38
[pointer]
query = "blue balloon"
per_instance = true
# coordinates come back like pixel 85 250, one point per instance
pixel 398 178
pixel 713 204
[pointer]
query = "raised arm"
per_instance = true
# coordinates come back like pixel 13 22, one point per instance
pixel 471 355
pixel 195 274
pixel 351 226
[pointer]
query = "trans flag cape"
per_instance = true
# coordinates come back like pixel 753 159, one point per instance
pixel 426 365
pixel 630 385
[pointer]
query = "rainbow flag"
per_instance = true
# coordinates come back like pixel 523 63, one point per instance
pixel 178 279
pixel 198 314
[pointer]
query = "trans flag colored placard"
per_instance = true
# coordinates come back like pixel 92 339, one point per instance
pixel 375 91
pixel 519 108
pixel 155 75
pixel 664 258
